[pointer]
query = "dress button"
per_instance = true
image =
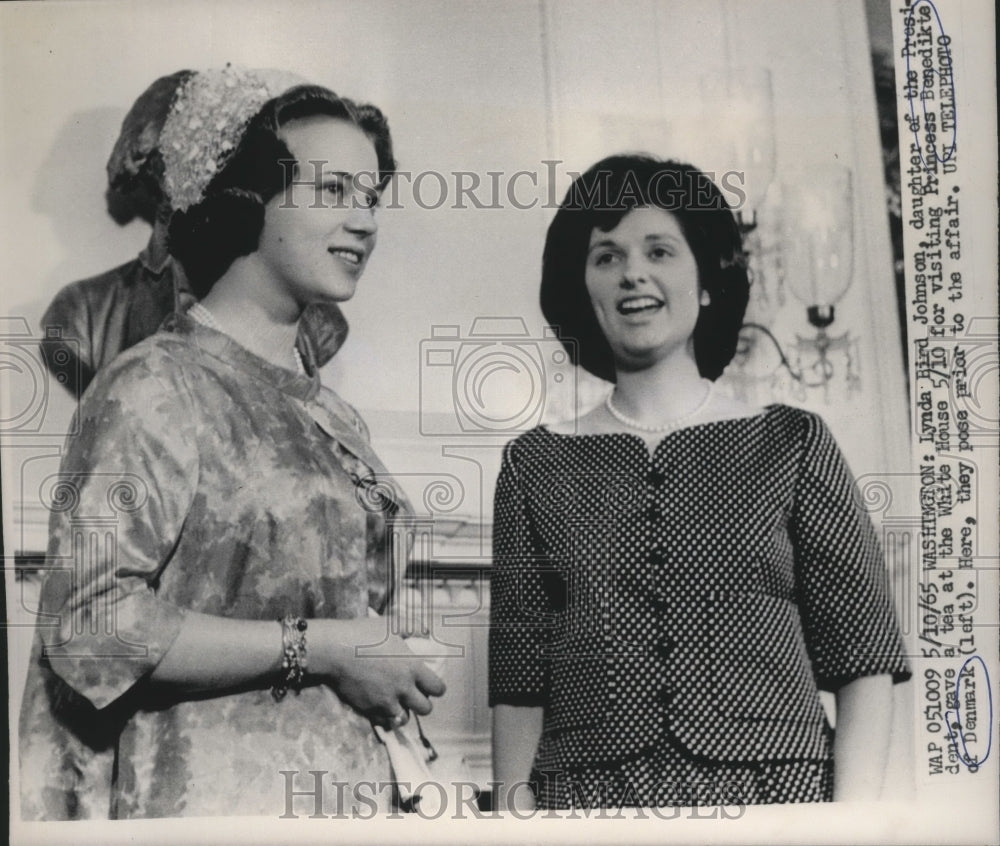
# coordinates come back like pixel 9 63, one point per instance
pixel 657 558
pixel 652 513
pixel 655 478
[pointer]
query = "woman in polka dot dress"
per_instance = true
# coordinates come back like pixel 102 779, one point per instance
pixel 676 574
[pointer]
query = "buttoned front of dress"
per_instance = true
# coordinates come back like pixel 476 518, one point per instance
pixel 699 596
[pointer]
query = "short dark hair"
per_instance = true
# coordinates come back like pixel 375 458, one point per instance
pixel 599 199
pixel 226 224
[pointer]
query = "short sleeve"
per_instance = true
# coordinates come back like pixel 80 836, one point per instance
pixel 125 486
pixel 520 606
pixel 66 345
pixel 846 604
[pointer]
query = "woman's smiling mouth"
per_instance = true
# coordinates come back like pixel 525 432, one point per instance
pixel 351 256
pixel 638 305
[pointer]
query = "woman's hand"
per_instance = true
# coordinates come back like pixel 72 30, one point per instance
pixel 373 671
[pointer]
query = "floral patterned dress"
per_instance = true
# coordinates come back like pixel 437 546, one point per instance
pixel 204 479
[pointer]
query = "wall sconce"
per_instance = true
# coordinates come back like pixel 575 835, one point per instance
pixel 797 232
pixel 817 254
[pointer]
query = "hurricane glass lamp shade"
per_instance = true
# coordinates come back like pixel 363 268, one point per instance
pixel 818 239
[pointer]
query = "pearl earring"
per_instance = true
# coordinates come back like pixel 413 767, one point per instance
pixel 706 299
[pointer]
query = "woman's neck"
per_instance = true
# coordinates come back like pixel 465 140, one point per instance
pixel 669 388
pixel 253 325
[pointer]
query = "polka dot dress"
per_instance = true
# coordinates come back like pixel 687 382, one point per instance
pixel 677 613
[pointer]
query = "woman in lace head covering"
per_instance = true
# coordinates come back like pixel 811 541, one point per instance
pixel 677 574
pixel 91 321
pixel 221 641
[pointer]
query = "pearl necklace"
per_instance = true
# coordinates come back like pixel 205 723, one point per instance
pixel 670 425
pixel 199 314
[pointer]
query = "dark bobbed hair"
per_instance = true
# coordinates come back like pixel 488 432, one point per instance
pixel 599 199
pixel 227 223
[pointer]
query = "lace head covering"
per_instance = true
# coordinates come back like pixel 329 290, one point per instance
pixel 206 122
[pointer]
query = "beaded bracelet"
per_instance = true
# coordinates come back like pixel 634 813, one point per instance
pixel 293 656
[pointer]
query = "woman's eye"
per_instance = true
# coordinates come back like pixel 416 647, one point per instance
pixel 603 259
pixel 659 253
pixel 334 189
